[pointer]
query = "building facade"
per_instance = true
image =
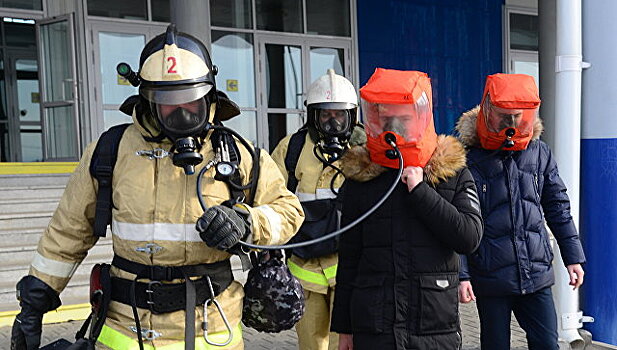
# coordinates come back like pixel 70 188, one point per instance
pixel 60 89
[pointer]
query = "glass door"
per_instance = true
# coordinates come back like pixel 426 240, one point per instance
pixel 24 109
pixel 282 89
pixel 58 86
pixel 114 43
pixel 287 66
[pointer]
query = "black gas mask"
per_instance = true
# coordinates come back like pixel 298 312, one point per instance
pixel 334 127
pixel 183 117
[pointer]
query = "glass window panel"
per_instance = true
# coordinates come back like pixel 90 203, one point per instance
pixel 529 68
pixel 523 32
pixel 279 15
pixel 4 142
pixel 20 34
pixel 281 125
pixel 58 70
pixel 245 124
pixel 116 48
pixel 60 132
pixel 328 17
pixel 134 9
pixel 284 76
pixel 22 4
pixel 231 13
pixel 114 117
pixel 28 90
pixel 324 58
pixel 233 54
pixel 160 11
pixel 31 143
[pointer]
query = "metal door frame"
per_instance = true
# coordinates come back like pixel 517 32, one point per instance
pixel 42 83
pixel 12 100
pixel 148 30
pixel 305 44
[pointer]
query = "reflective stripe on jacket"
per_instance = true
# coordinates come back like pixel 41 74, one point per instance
pixel 112 339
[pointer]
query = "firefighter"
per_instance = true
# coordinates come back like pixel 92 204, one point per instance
pixel 309 161
pixel 162 259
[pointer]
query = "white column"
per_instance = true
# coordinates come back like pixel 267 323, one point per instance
pixel 566 149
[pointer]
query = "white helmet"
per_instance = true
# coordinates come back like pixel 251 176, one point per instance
pixel 332 107
pixel 332 87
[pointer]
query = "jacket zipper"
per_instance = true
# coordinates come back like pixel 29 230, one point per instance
pixel 513 236
pixel 537 186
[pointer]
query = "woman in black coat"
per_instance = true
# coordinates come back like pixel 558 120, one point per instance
pixel 397 277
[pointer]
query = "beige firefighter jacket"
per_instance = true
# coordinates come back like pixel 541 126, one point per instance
pixel 156 203
pixel 317 274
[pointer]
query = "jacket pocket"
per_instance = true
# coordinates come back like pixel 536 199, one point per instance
pixel 547 246
pixel 481 259
pixel 438 303
pixel 367 305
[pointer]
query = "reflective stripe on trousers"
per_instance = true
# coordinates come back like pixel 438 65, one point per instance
pixel 312 277
pixel 116 340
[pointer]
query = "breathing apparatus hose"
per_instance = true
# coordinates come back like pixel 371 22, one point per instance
pixel 246 145
pixel 329 164
pixel 312 241
pixel 342 229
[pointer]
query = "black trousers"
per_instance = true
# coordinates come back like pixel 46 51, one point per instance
pixel 534 312
pixel 383 341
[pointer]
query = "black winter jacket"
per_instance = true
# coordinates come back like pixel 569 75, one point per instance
pixel 398 269
pixel 518 191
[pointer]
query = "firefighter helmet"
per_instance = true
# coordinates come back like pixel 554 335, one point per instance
pixel 177 82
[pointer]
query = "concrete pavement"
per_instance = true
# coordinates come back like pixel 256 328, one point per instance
pixel 287 340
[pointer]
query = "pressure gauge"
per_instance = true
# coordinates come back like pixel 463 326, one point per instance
pixel 225 169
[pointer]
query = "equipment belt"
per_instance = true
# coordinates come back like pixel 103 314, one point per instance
pixel 162 298
pixel 168 273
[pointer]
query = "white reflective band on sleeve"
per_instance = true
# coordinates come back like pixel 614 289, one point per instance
pixel 305 197
pixel 53 267
pixel 325 193
pixel 275 223
pixel 155 232
pixel 321 193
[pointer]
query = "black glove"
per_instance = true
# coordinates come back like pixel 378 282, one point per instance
pixel 222 227
pixel 35 298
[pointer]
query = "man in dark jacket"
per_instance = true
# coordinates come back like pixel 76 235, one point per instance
pixel 519 188
pixel 398 270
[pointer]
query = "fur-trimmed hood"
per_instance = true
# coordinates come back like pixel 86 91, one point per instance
pixel 468 133
pixel 448 158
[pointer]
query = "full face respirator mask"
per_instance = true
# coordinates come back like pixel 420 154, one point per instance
pixel 334 127
pixel 183 119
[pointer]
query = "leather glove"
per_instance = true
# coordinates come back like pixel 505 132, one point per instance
pixel 35 298
pixel 222 227
pixel 27 329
